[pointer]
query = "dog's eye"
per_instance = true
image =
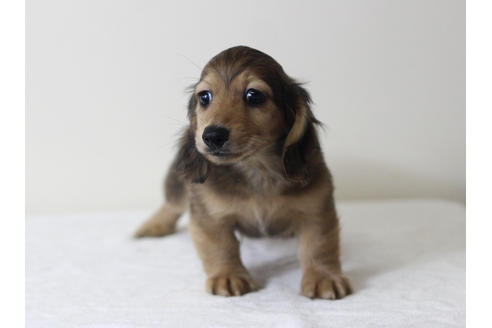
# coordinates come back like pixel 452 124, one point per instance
pixel 254 97
pixel 205 98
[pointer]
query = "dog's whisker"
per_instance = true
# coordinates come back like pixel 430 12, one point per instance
pixel 190 61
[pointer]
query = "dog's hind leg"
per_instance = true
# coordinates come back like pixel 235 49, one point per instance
pixel 163 222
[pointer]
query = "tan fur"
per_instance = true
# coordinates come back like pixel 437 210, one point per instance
pixel 275 181
pixel 297 129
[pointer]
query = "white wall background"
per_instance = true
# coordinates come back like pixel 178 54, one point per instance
pixel 106 80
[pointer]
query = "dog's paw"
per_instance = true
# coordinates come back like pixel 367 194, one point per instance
pixel 155 228
pixel 325 285
pixel 232 284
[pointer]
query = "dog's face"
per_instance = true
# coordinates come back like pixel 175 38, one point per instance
pixel 237 118
pixel 245 104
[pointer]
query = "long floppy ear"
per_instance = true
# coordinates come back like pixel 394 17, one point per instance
pixel 189 163
pixel 301 142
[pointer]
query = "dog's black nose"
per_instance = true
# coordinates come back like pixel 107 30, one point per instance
pixel 215 136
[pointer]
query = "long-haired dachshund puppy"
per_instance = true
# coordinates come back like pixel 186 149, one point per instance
pixel 250 161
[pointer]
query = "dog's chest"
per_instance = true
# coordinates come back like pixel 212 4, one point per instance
pixel 264 218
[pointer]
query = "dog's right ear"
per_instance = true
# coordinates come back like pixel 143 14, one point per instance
pixel 189 163
pixel 192 102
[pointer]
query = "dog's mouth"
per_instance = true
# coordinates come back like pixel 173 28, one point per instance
pixel 225 155
pixel 219 153
pixel 222 154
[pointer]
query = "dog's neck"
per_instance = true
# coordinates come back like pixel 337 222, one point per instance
pixel 263 172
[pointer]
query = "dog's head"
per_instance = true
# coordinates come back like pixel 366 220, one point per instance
pixel 246 105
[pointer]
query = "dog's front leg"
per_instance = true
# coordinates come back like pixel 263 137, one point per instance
pixel 319 257
pixel 219 250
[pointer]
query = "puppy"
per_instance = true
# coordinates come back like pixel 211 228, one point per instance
pixel 250 161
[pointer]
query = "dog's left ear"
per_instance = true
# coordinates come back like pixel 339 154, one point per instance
pixel 301 142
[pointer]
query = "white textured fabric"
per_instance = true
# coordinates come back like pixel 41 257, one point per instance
pixel 406 261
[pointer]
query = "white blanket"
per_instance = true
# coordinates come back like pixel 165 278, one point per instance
pixel 405 259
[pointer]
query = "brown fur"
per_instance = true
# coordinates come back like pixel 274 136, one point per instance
pixel 275 182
